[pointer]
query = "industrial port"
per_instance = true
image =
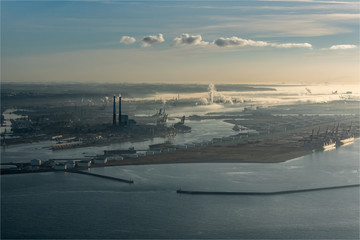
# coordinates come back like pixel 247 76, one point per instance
pixel 259 134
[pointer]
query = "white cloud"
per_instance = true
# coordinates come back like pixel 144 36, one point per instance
pixel 150 40
pixel 186 39
pixel 342 47
pixel 291 45
pixel 235 41
pixel 127 40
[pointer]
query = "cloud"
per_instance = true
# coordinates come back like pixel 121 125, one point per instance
pixel 186 39
pixel 127 40
pixel 150 40
pixel 342 47
pixel 235 41
pixel 291 45
pixel 282 25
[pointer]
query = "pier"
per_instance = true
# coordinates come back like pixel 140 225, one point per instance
pixel 102 176
pixel 265 193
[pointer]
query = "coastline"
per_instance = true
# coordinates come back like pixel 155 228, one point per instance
pixel 267 149
pixel 225 157
pixel 230 153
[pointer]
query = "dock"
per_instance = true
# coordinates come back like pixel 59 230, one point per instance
pixel 106 177
pixel 265 193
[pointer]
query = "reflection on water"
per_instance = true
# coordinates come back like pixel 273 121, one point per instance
pixel 320 169
pixel 78 206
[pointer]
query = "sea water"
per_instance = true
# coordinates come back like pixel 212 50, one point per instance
pixel 201 131
pixel 68 205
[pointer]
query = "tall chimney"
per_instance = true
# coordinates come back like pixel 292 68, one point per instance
pixel 120 111
pixel 114 113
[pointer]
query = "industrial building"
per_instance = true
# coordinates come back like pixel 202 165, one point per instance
pixel 84 163
pixel 60 166
pixel 100 160
pixel 71 164
pixel 35 162
pixel 123 119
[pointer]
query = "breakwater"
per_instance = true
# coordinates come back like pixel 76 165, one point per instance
pixel 102 176
pixel 265 193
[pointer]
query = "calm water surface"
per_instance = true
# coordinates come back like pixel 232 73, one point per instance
pixel 66 205
pixel 201 130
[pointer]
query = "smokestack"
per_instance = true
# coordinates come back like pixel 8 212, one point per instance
pixel 114 113
pixel 120 111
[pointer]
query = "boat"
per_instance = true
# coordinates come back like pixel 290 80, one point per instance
pixel 329 146
pixel 346 141
pixel 239 129
pixel 181 128
pixel 160 146
pixel 161 117
pixel 236 128
pixel 131 150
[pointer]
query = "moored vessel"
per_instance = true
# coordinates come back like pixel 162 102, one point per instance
pixel 328 146
pixel 346 141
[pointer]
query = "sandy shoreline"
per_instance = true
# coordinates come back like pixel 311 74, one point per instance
pixel 235 152
pixel 231 153
pixel 274 148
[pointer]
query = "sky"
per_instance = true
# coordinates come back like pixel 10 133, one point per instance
pixel 244 42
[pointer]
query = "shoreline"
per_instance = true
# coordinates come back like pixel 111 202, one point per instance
pixel 210 154
pixel 258 152
pixel 277 148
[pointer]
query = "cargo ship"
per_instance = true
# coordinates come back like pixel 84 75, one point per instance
pixel 346 141
pixel 328 146
pixel 160 146
pixel 131 150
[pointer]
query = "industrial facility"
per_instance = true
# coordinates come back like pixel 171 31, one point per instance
pixel 123 119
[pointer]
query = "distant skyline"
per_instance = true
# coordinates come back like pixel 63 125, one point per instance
pixel 265 42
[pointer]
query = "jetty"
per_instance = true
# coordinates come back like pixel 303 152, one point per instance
pixel 103 176
pixel 265 193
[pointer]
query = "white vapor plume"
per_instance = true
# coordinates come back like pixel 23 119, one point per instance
pixel 212 91
pixel 342 47
pixel 215 96
pixel 204 101
pixel 127 40
pixel 150 40
pixel 186 39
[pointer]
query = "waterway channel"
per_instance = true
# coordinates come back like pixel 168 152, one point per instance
pixel 201 131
